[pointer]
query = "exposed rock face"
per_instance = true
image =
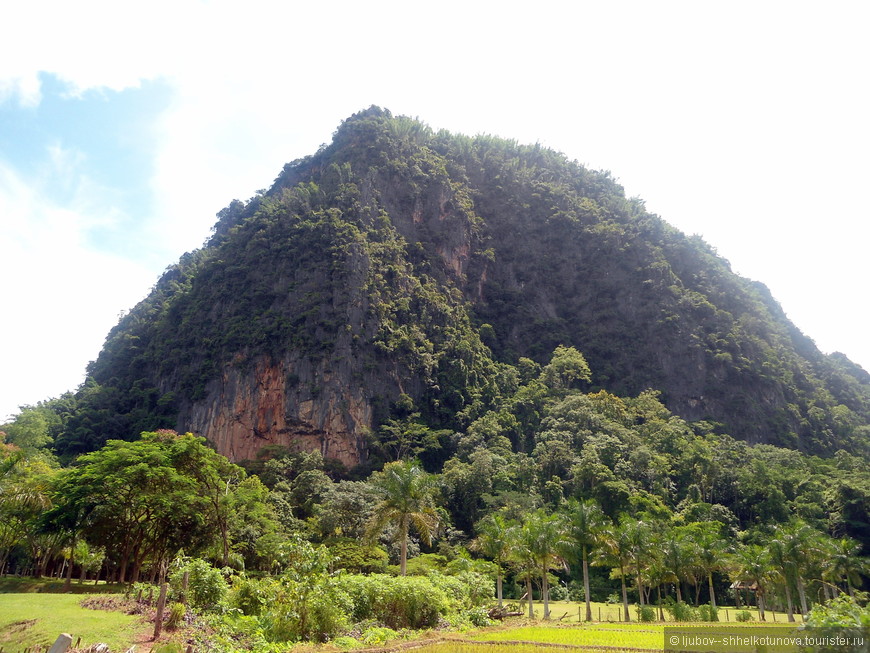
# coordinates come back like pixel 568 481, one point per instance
pixel 247 409
pixel 372 268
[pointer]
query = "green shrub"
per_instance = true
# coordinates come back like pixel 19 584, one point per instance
pixel 679 611
pixel 377 636
pixel 206 587
pixel 345 642
pixel 250 595
pixel 172 647
pixel 558 593
pixel 743 615
pixel 708 613
pixel 316 613
pixel 841 612
pixel 177 611
pixel 398 602
pixel 646 613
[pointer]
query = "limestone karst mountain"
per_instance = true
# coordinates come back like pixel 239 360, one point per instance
pixel 398 265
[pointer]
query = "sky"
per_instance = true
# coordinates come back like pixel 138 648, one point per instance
pixel 125 127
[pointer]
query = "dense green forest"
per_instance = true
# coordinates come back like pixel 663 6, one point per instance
pixel 543 389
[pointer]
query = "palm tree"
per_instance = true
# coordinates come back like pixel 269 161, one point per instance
pixel 846 563
pixel 787 556
pixel 542 536
pixel 493 541
pixel 638 536
pixel 711 553
pixel 793 548
pixel 585 521
pixel 615 551
pixel 407 498
pixel 520 555
pixel 675 558
pixel 753 564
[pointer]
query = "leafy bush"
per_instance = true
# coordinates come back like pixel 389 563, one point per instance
pixel 558 592
pixel 346 642
pixel 841 612
pixel 172 647
pixel 708 613
pixel 646 613
pixel 319 617
pixel 177 611
pixel 680 611
pixel 471 618
pixel 377 636
pixel 466 589
pixel 206 587
pixel 398 602
pixel 250 595
pixel 743 615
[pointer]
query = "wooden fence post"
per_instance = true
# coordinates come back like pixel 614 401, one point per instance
pixel 161 603
pixel 61 644
pixel 184 581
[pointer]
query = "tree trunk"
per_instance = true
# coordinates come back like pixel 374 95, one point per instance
pixel 225 537
pixel 679 593
pixel 68 583
pixel 403 546
pixel 625 612
pixel 760 600
pixel 712 592
pixel 529 595
pixel 802 594
pixel 639 589
pixel 788 601
pixel 661 613
pixel 498 591
pixel 545 592
pixel 586 586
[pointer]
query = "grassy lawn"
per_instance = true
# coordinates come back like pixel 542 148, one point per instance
pixel 37 618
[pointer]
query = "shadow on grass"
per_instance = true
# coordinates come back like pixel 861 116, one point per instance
pixel 26 585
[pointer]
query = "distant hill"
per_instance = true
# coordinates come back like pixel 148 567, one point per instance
pixel 399 265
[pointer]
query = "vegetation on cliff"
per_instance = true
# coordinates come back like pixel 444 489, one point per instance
pixel 429 264
pixel 557 372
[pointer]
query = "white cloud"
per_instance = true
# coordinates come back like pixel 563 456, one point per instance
pixel 59 297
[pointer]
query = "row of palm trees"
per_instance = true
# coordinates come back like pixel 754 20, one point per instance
pixel 649 554
pixel 654 555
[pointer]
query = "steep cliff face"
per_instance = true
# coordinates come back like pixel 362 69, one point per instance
pixel 398 263
pixel 246 410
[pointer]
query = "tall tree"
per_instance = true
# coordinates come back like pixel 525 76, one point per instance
pixel 584 523
pixel 846 563
pixel 493 541
pixel 752 564
pixel 711 552
pixel 616 552
pixel 407 498
pixel 542 536
pixel 141 503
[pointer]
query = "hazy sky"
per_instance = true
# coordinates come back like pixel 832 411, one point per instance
pixel 125 127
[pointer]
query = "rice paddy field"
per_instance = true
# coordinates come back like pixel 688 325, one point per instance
pixel 588 637
pixel 573 612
